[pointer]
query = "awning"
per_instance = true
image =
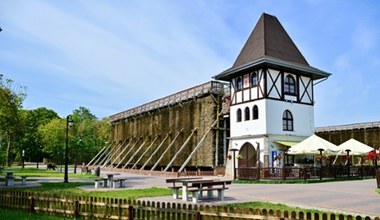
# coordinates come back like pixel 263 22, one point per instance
pixel 288 143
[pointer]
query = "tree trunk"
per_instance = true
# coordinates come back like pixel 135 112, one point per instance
pixel 8 163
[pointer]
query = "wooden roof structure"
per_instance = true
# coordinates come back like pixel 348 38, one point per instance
pixel 212 87
pixel 270 45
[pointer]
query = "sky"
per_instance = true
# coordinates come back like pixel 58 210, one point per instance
pixel 110 56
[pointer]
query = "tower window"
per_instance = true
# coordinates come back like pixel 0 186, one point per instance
pixel 255 112
pixel 287 121
pixel 290 85
pixel 246 114
pixel 238 115
pixel 239 83
pixel 254 79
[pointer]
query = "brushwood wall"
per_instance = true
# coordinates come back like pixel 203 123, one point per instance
pixel 367 133
pixel 143 139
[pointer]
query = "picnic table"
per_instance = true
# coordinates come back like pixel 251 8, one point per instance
pixel 176 188
pixel 196 186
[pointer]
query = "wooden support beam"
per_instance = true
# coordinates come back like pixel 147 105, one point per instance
pixel 166 150
pixel 134 154
pixel 197 147
pixel 155 151
pixel 138 140
pixel 102 163
pixel 98 155
pixel 116 153
pixel 142 155
pixel 180 150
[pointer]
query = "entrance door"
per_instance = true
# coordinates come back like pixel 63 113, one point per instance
pixel 248 156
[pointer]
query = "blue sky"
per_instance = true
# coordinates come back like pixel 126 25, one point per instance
pixel 110 56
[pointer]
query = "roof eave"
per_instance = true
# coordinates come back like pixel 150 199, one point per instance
pixel 229 73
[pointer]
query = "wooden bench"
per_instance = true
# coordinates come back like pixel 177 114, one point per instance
pixel 51 167
pixel 120 180
pixel 219 186
pixel 175 188
pixel 85 170
pixel 101 181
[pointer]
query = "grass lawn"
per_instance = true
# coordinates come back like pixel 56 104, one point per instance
pixel 71 188
pixel 34 172
pixel 22 215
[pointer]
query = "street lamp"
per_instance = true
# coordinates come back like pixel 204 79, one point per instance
pixel 233 150
pixel 69 122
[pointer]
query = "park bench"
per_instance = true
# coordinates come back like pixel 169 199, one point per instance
pixel 176 188
pixel 101 181
pixel 197 189
pixel 119 180
pixel 85 170
pixel 51 166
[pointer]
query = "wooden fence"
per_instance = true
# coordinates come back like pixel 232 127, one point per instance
pixel 296 173
pixel 109 208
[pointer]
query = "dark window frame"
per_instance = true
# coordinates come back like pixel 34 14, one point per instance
pixel 247 114
pixel 290 85
pixel 239 83
pixel 238 115
pixel 287 121
pixel 254 79
pixel 255 112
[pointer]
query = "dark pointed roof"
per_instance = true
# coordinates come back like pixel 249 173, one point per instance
pixel 270 44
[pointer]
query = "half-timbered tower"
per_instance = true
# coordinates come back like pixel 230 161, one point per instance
pixel 272 95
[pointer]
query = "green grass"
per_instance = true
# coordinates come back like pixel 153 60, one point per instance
pixel 71 189
pixel 34 172
pixel 275 206
pixel 22 215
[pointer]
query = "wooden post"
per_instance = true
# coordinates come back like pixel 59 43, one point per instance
pixel 32 204
pixel 197 216
pixel 130 212
pixel 258 161
pixel 77 208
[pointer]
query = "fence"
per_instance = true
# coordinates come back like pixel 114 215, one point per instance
pixel 296 173
pixel 109 208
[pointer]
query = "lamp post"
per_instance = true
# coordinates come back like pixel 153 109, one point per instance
pixel 348 162
pixel 69 122
pixel 233 150
pixel 320 161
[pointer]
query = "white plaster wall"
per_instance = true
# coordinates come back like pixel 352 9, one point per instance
pixel 251 127
pixel 303 116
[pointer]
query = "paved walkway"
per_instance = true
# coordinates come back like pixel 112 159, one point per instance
pixel 356 197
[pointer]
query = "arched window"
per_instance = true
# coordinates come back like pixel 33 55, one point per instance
pixel 290 85
pixel 238 115
pixel 239 83
pixel 287 121
pixel 255 112
pixel 254 79
pixel 246 114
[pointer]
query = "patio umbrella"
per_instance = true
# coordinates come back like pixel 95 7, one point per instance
pixel 355 147
pixel 311 145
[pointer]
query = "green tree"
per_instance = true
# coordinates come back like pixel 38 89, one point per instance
pixel 32 139
pixel 89 137
pixel 53 139
pixel 11 125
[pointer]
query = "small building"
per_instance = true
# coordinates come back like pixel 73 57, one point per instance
pixel 272 95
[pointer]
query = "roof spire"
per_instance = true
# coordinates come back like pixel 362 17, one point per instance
pixel 269 39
